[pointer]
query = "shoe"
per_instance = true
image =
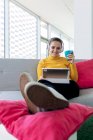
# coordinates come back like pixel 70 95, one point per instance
pixel 24 79
pixel 44 97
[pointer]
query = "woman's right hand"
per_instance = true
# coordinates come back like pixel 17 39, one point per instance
pixel 41 77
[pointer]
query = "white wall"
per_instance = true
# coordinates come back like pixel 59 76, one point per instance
pixel 83 29
pixel 54 11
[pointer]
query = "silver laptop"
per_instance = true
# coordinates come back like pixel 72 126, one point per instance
pixel 56 75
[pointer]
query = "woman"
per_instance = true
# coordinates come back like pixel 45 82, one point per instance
pixel 54 60
pixel 45 95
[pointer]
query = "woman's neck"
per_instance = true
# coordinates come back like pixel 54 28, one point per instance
pixel 54 57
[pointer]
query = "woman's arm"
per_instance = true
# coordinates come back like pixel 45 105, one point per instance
pixel 72 66
pixel 73 72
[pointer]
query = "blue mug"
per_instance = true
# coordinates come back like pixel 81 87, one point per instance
pixel 68 52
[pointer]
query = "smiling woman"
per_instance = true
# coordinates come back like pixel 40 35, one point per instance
pixel 50 95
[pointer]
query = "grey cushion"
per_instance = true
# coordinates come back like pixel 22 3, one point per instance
pixel 86 99
pixel 10 95
pixel 10 70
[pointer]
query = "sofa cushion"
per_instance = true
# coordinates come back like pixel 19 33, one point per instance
pixel 85 99
pixel 85 73
pixel 54 125
pixel 86 91
pixel 10 70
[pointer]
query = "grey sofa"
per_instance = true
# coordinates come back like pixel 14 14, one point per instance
pixel 85 97
pixel 10 70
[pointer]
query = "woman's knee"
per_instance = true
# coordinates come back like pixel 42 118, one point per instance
pixel 74 84
pixel 46 82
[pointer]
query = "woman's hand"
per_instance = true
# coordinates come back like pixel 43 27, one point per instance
pixel 41 77
pixel 70 58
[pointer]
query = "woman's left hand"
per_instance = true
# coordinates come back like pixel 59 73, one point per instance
pixel 71 58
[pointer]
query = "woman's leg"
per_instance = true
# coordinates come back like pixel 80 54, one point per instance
pixel 69 91
pixel 47 83
pixel 44 97
pixel 40 97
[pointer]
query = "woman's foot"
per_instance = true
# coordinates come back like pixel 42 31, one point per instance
pixel 43 97
pixel 24 79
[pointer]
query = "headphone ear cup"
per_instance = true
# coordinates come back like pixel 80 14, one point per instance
pixel 62 49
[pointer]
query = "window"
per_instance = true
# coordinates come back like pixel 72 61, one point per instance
pixel 72 44
pixel 44 49
pixel 44 39
pixel 68 44
pixel 44 26
pixel 1 28
pixel 23 33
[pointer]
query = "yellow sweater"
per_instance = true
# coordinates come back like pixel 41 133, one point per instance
pixel 57 62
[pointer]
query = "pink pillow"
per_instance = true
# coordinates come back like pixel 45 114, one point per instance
pixel 85 73
pixel 52 125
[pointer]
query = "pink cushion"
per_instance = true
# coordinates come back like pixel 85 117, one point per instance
pixel 85 73
pixel 52 125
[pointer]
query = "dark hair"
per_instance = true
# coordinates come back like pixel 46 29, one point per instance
pixel 55 39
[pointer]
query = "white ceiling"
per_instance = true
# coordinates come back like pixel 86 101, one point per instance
pixel 70 5
pixel 57 12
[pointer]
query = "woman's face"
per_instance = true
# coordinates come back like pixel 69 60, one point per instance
pixel 55 48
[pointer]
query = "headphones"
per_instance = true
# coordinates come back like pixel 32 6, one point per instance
pixel 62 49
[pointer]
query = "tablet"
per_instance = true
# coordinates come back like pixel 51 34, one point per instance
pixel 56 75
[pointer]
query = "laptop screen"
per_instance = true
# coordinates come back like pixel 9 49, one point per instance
pixel 56 73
